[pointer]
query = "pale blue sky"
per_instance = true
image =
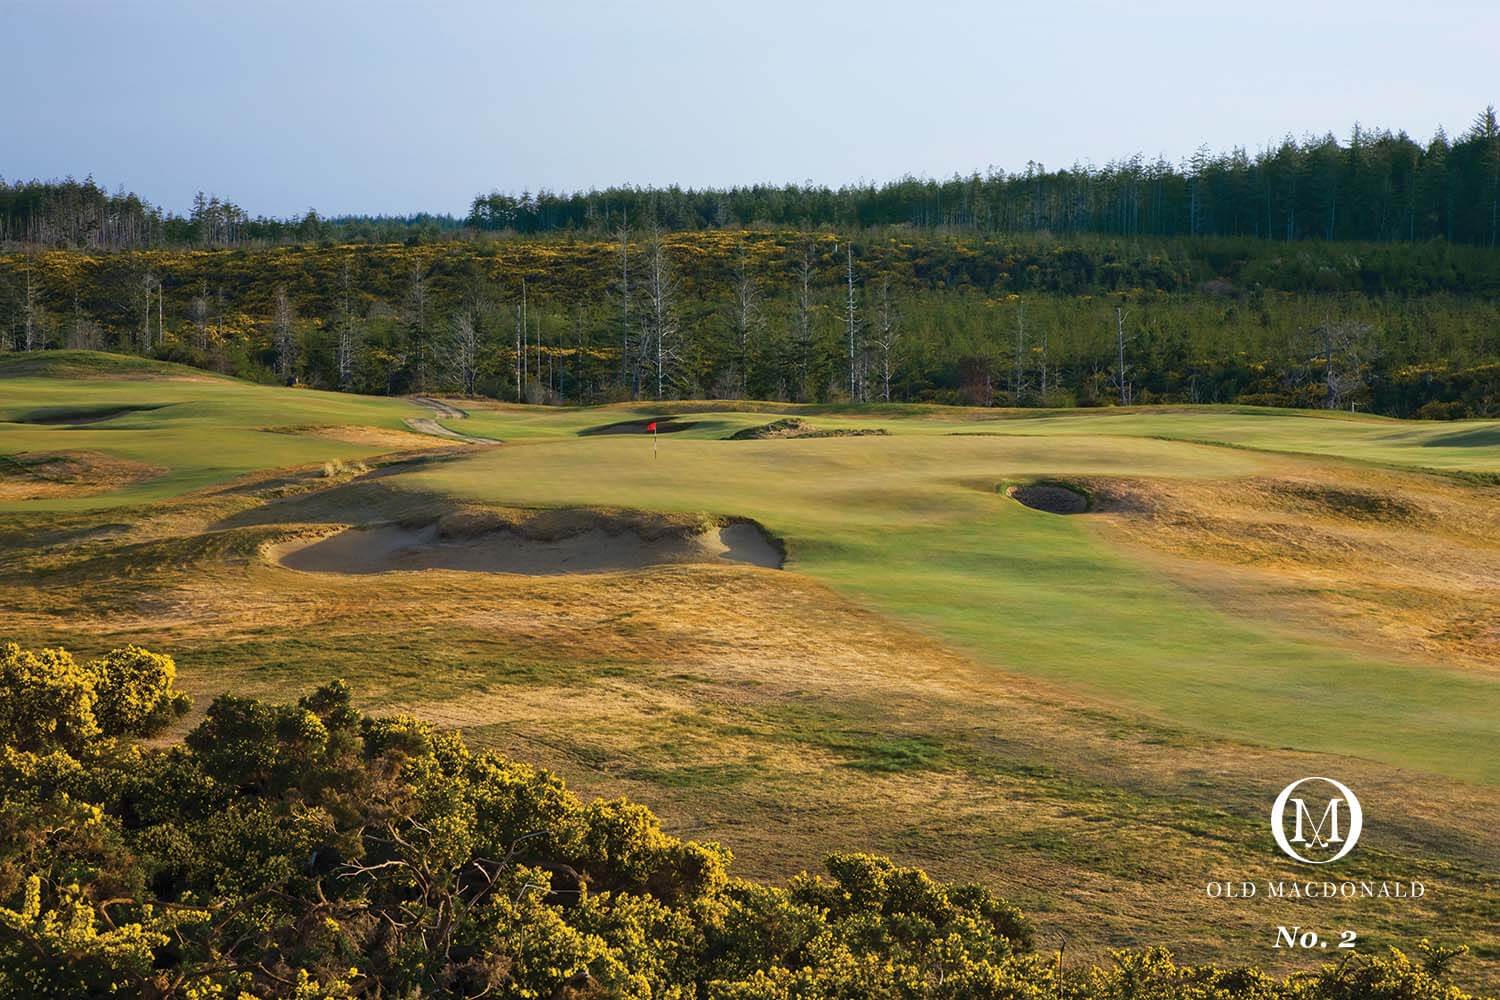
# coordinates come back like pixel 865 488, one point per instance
pixel 389 107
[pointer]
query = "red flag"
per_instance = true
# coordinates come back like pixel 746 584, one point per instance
pixel 651 427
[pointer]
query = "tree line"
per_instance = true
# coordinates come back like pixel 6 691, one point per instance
pixel 309 850
pixel 84 215
pixel 802 317
pixel 1375 185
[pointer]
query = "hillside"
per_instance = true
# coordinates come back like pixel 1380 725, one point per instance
pixel 1402 330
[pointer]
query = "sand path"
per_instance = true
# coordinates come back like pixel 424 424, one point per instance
pixel 442 411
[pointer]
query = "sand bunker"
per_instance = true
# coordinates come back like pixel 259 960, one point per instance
pixel 664 425
pixel 596 550
pixel 1052 498
pixel 795 427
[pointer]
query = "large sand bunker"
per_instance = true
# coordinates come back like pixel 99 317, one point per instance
pixel 607 545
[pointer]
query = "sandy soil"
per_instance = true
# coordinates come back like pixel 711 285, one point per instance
pixel 441 411
pixel 794 427
pixel 393 547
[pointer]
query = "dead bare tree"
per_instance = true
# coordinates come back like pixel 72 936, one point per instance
pixel 198 313
pixel 746 317
pixel 345 356
pixel 1018 369
pixel 283 336
pixel 564 391
pixel 519 353
pixel 804 319
pixel 1045 376
pixel 462 356
pixel 83 333
pixel 1121 381
pixel 536 387
pixel 148 283
pixel 660 327
pixel 629 368
pixel 416 322
pixel 851 325
pixel 347 353
pixel 886 322
pixel 30 328
pixel 537 382
pixel 1347 350
pixel 525 346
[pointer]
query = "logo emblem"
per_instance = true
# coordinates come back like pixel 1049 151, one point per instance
pixel 1324 824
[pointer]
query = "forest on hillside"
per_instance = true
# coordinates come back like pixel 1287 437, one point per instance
pixel 887 314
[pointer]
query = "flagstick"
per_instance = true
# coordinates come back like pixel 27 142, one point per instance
pixel 653 440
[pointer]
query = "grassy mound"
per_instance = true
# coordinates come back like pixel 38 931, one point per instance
pixel 93 364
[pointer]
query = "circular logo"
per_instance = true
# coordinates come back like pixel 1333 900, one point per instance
pixel 1324 822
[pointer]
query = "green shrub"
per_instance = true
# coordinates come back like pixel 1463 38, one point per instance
pixel 308 851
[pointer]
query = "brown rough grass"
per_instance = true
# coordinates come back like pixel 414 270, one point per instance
pixel 761 709
pixel 37 475
pixel 379 437
pixel 1390 560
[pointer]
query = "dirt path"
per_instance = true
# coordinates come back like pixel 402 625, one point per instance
pixel 442 411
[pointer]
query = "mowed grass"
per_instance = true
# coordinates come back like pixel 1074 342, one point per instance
pixel 918 528
pixel 1459 446
pixel 1449 446
pixel 200 430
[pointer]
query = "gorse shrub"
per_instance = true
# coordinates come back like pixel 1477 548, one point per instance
pixel 50 702
pixel 310 851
